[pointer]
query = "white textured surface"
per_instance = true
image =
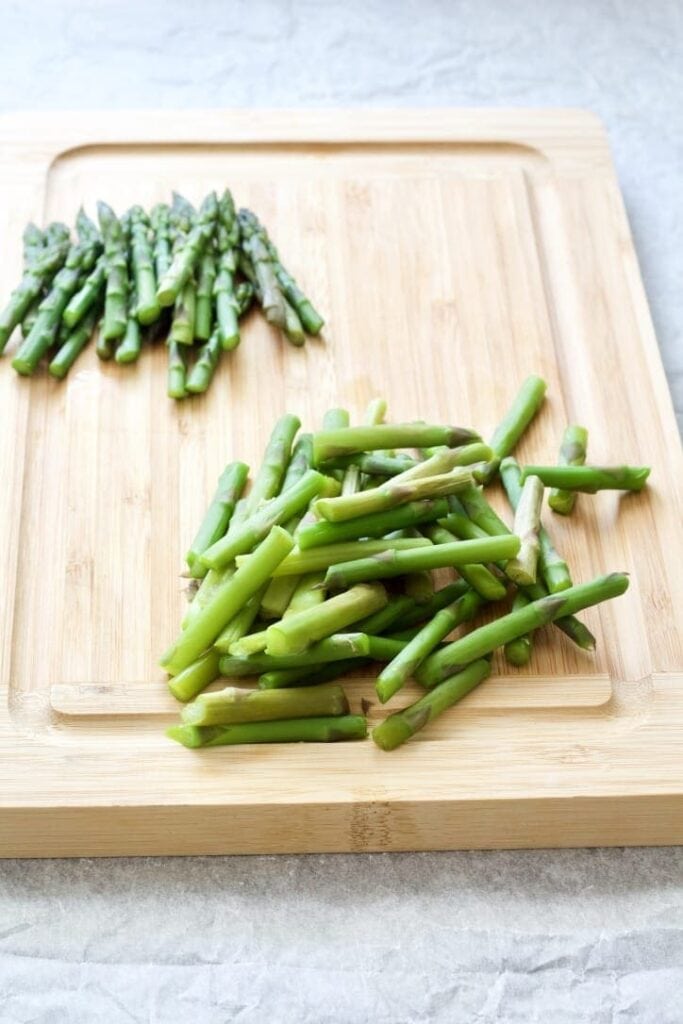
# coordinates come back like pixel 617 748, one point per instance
pixel 592 937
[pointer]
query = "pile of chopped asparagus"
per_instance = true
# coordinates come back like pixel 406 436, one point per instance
pixel 184 274
pixel 325 566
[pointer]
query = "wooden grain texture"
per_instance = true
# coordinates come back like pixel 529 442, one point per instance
pixel 453 253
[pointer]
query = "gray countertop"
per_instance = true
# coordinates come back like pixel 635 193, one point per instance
pixel 592 937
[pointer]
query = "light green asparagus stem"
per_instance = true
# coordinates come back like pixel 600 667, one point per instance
pixel 553 569
pixel 332 444
pixel 495 634
pixel 239 626
pixel 204 628
pixel 311 677
pixel 422 613
pixel 193 679
pixel 300 462
pixel 128 349
pixel 215 522
pixel 235 705
pixel 402 725
pixel 591 479
pixel 479 577
pixel 572 453
pixel 522 568
pixel 390 495
pixel 269 292
pixel 184 314
pixel 419 586
pixel 297 632
pixel 317 559
pixel 252 643
pixel 161 226
pixel 352 479
pixel 383 464
pixel 202 372
pixel 438 556
pixel 380 621
pixel 308 593
pixel 116 256
pixel 37 276
pixel 520 414
pixel 176 370
pixel 206 278
pixel 372 464
pixel 294 730
pixel 74 344
pixel 339 647
pixel 142 260
pixel 244 297
pixel 103 346
pixel 518 651
pixel 292 327
pixel 88 295
pixel 397 672
pixel 311 320
pixel 230 302
pixel 335 418
pixel 274 512
pixel 186 255
pixel 378 524
pixel 276 458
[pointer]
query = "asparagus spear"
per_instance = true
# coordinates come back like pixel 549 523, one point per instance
pixel 310 676
pixel 308 593
pixel 294 730
pixel 142 258
pixel 316 559
pixel 87 296
pixel 193 679
pixel 520 414
pixel 177 370
pixel 438 556
pixel 103 346
pixel 391 494
pixel 332 444
pixel 74 343
pixel 311 320
pixel 274 512
pixel 204 628
pixel 591 479
pixel 116 256
pixel 228 301
pixel 402 725
pixel 352 478
pixel 244 297
pixel 128 349
pixel 394 675
pixel 202 372
pixel 380 621
pixel 239 626
pixel 269 292
pixel 479 577
pixel 186 254
pixel 297 632
pixel 184 314
pixel 518 651
pixel 572 453
pixel 205 284
pixel 161 225
pixel 484 640
pixel 553 568
pixel 339 647
pixel 55 235
pixel 276 457
pixel 422 613
pixel 215 522
pixel 38 273
pixel 383 464
pixel 377 524
pixel 234 705
pixel 252 643
pixel 522 568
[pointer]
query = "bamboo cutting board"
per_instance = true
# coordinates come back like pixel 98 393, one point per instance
pixel 453 253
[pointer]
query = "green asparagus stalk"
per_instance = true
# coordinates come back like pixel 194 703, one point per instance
pixel 255 528
pixel 378 524
pixel 520 414
pixel 184 314
pixel 202 372
pixel 352 478
pixel 37 276
pixel 402 725
pixel 244 297
pixel 235 705
pixel 297 632
pixel 518 651
pixel 74 344
pixel 308 593
pixel 87 296
pixel 161 225
pixel 311 677
pixel 300 461
pixel 311 320
pixel 439 556
pixel 390 495
pixel 397 672
pixel 231 483
pixel 339 647
pixel 204 628
pixel 205 284
pixel 116 256
pixel 487 638
pixel 333 444
pixel 293 730
pixel 196 677
pixel 128 349
pixel 317 559
pixel 252 643
pixel 419 586
pixel 103 346
pixel 479 577
pixel 275 461
pixel 177 370
pixel 239 626
pixel 186 255
pixel 268 288
pixel 380 621
pixel 552 567
pixel 142 259
pixel 572 453
pixel 522 568
pixel 422 613
pixel 590 479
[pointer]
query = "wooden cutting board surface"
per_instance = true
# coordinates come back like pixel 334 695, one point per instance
pixel 453 253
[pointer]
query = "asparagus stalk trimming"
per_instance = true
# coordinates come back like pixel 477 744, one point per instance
pixel 235 705
pixel 518 651
pixel 297 632
pixel 479 577
pixel 378 524
pixel 520 414
pixel 316 559
pixel 391 494
pixel 590 479
pixel 572 453
pixel 231 483
pixel 554 570
pixel 296 730
pixel 332 444
pixel 522 568
pixel 190 244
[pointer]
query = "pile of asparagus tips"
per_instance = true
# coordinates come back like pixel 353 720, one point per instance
pixel 184 274
pixel 325 566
